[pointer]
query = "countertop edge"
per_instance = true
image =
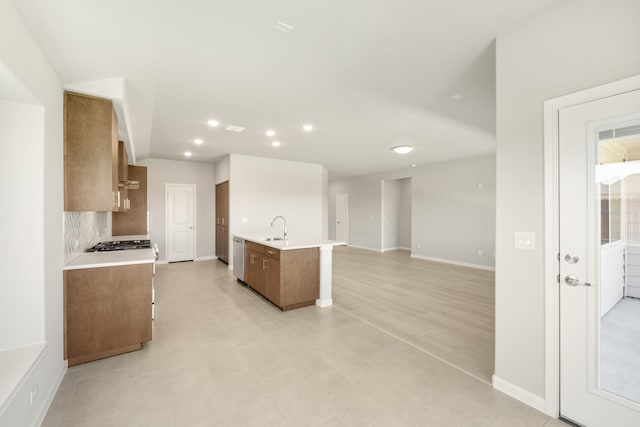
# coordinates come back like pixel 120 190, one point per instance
pixel 279 244
pixel 107 264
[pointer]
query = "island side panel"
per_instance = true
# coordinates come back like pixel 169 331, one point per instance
pixel 107 311
pixel 300 277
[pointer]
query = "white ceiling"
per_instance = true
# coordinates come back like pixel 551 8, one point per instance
pixel 369 74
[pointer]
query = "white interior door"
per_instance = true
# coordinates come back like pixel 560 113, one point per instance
pixel 599 156
pixel 180 217
pixel 342 217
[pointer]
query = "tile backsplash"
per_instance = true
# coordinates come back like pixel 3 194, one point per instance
pixel 83 230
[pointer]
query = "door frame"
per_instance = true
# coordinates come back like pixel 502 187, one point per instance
pixel 552 109
pixel 166 219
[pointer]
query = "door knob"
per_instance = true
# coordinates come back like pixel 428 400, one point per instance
pixel 574 281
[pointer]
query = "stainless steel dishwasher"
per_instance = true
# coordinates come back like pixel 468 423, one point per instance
pixel 238 257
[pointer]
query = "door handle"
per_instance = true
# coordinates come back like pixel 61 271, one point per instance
pixel 574 281
pixel 264 264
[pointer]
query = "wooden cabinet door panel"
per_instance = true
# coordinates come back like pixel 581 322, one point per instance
pixel 89 151
pixel 271 273
pixel 107 311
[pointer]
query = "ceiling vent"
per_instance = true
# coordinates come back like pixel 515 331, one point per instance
pixel 282 27
pixel 236 129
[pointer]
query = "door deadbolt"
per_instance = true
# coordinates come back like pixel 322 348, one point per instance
pixel 570 259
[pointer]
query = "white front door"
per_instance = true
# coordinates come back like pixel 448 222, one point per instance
pixel 342 217
pixel 180 218
pixel 599 162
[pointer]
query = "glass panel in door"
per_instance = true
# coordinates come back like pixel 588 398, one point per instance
pixel 618 175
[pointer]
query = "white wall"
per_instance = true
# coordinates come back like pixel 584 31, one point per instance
pixel 161 172
pixel 262 188
pixel 365 204
pixel 222 170
pixel 451 218
pixel 22 284
pixel 404 233
pixel 570 46
pixel 20 54
pixel 396 207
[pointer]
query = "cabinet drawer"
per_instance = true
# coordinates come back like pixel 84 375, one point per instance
pixel 264 250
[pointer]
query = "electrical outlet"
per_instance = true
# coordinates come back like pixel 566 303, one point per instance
pixel 419 245
pixel 33 395
pixel 480 252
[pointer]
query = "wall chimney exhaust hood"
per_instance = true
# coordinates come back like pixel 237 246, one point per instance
pixel 129 185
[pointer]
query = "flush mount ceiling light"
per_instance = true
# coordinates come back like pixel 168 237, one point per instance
pixel 213 123
pixel 270 132
pixel 236 129
pixel 307 127
pixel 403 149
pixel 187 153
pixel 456 97
pixel 276 143
pixel 282 27
pixel 198 141
pixel 413 165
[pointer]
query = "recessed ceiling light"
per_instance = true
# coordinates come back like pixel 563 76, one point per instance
pixel 403 149
pixel 314 149
pixel 232 128
pixel 270 132
pixel 456 97
pixel 187 153
pixel 213 123
pixel 307 127
pixel 276 143
pixel 282 27
pixel 413 165
pixel 198 141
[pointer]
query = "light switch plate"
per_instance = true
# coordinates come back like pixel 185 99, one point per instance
pixel 525 240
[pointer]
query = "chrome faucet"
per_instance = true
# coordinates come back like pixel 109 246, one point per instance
pixel 285 225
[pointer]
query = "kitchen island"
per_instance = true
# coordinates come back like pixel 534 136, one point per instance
pixel 290 273
pixel 107 303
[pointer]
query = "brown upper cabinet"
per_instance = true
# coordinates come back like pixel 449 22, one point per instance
pixel 222 221
pixel 90 154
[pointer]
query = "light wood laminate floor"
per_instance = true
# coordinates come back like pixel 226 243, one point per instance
pixel 445 310
pixel 223 356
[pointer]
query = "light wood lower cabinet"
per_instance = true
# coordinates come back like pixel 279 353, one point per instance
pixel 289 279
pixel 107 311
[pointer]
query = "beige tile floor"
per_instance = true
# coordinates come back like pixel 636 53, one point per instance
pixel 222 356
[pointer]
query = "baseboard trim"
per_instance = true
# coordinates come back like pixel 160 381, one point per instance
pixel 396 248
pixel 50 395
pixel 449 261
pixel 206 258
pixel 518 393
pixel 162 261
pixel 366 248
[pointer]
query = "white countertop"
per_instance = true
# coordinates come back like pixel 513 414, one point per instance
pixel 111 258
pixel 290 243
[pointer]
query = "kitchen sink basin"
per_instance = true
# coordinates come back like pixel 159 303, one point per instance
pixel 269 239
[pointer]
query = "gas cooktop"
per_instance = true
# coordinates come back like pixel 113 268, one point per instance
pixel 120 245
